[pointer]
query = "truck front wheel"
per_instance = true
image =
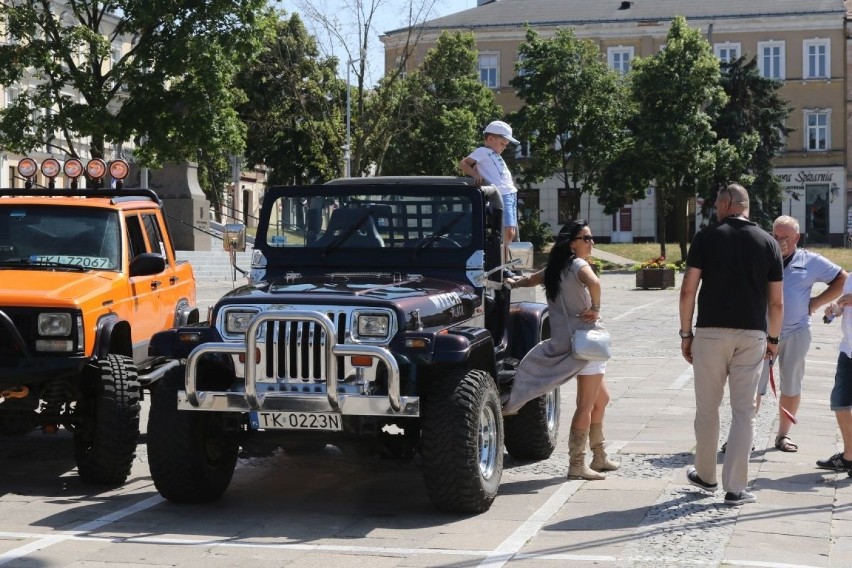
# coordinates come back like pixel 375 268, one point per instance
pixel 461 441
pixel 532 433
pixel 192 455
pixel 107 422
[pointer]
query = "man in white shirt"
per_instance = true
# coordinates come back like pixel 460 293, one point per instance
pixel 802 270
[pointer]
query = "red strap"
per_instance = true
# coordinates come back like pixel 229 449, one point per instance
pixel 772 382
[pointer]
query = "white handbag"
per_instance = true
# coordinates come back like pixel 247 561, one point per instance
pixel 592 344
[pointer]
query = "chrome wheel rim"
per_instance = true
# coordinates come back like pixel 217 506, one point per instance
pixel 487 442
pixel 551 409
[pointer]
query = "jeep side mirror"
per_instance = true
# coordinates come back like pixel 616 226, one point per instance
pixel 520 256
pixel 146 264
pixel 234 237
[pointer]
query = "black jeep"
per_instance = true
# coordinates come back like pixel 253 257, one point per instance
pixel 376 307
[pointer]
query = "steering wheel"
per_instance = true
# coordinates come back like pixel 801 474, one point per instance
pixel 440 241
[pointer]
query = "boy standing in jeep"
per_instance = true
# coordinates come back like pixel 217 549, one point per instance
pixel 485 165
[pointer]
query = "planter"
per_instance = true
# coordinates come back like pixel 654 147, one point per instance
pixel 655 278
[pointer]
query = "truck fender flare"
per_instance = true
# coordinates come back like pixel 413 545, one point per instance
pixel 471 346
pixel 530 324
pixel 112 335
pixel 185 313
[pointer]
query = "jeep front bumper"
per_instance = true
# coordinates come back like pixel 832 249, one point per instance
pixel 323 346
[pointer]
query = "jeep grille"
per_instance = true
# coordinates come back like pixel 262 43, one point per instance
pixel 297 350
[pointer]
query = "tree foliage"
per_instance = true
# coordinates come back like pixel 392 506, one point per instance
pixel 373 114
pixel 171 82
pixel 443 112
pixel 293 111
pixel 753 121
pixel 675 91
pixel 573 114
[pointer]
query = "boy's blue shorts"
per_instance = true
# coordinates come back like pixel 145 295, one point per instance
pixel 510 209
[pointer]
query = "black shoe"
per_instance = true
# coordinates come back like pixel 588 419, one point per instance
pixel 740 498
pixel 835 462
pixel 693 478
pixel 725 447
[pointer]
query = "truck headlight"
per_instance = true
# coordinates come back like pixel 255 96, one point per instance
pixel 237 322
pixel 54 325
pixel 372 325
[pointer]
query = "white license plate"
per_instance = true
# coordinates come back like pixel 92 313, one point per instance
pixel 295 421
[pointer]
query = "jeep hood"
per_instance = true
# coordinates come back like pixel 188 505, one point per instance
pixel 444 300
pixel 59 288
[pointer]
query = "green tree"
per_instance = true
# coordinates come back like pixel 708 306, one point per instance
pixel 752 121
pixel 573 114
pixel 443 111
pixel 293 110
pixel 171 82
pixel 675 91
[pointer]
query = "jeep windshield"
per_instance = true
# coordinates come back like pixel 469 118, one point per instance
pixel 330 221
pixel 44 236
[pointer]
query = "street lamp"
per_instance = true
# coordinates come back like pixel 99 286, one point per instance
pixel 347 153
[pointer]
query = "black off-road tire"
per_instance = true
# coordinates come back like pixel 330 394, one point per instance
pixel 191 454
pixel 461 441
pixel 108 422
pixel 533 432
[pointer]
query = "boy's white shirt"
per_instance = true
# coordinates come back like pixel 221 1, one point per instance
pixel 493 169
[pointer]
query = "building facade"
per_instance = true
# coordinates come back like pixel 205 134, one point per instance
pixel 802 44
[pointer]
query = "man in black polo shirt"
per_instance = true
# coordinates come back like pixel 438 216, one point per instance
pixel 738 265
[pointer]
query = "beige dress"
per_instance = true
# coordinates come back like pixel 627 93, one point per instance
pixel 551 363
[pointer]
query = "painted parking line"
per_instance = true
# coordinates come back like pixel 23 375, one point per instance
pixel 643 307
pixel 509 547
pixel 43 541
pixel 682 379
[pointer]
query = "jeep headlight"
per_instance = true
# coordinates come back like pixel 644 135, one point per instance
pixel 237 322
pixel 54 324
pixel 372 326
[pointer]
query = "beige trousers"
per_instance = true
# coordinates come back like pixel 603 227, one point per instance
pixel 734 356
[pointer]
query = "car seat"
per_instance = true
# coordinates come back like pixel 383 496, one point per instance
pixel 342 220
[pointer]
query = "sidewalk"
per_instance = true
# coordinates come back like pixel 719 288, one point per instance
pixel 646 514
pixel 613 258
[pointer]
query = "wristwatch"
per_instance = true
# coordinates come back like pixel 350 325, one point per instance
pixel 685 334
pixel 772 340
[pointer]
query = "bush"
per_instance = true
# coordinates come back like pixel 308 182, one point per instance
pixel 534 231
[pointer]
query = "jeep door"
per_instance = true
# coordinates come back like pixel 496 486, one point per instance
pixel 147 309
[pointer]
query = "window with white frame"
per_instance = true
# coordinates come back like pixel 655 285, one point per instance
pixel 488 70
pixel 771 59
pixel 520 66
pixel 817 130
pixel 618 58
pixel 816 55
pixel 11 94
pixel 727 52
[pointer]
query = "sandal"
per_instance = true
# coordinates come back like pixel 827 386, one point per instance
pixel 785 444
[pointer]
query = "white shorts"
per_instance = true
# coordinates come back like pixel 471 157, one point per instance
pixel 792 350
pixel 593 368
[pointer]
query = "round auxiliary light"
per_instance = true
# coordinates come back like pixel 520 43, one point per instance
pixel 118 169
pixel 27 167
pixel 73 168
pixel 50 168
pixel 96 169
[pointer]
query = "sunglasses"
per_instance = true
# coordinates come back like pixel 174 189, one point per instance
pixel 586 238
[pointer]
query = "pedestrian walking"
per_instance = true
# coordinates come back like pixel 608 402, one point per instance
pixel 485 165
pixel 802 270
pixel 738 266
pixel 573 293
pixel 841 394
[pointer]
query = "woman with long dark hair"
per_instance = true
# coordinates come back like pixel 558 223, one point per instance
pixel 573 293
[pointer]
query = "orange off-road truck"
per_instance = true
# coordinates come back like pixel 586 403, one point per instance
pixel 87 276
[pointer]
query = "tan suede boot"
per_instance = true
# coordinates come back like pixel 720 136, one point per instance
pixel 600 461
pixel 577 468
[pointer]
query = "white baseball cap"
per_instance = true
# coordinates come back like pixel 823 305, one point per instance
pixel 500 128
